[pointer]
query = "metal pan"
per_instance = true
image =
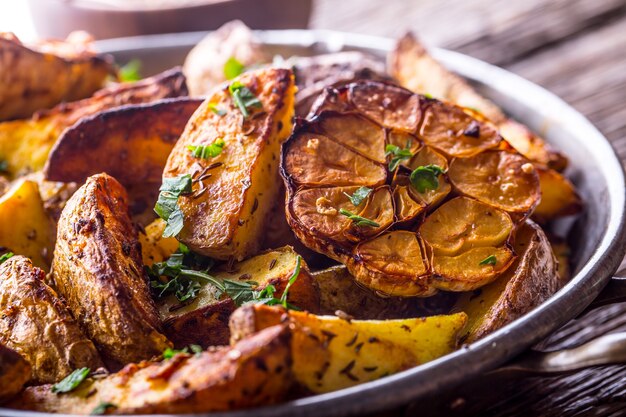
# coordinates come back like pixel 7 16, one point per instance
pixel 598 236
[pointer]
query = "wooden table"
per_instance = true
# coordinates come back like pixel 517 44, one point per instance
pixel 574 48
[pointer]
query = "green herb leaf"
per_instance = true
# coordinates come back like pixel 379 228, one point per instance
pixel 233 68
pixel 102 408
pixel 5 257
pixel 241 292
pixel 489 260
pixel 426 177
pixel 207 151
pixel 398 155
pixel 243 98
pixel 72 381
pixel 292 280
pixel 167 204
pixel 359 195
pixel 213 107
pixel 196 349
pixel 428 96
pixel 358 220
pixel 130 71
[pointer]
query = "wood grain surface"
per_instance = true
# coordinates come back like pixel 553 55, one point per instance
pixel 576 49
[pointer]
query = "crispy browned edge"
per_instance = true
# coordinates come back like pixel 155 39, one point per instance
pixel 35 322
pixel 98 269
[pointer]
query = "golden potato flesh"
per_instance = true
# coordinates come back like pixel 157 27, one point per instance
pixel 380 217
pixel 503 179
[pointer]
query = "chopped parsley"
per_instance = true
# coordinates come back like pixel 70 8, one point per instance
pixel 244 98
pixel 130 71
pixel 426 177
pixel 428 96
pixel 72 381
pixel 207 151
pixel 167 206
pixel 182 274
pixel 169 353
pixel 398 155
pixel 5 257
pixel 213 107
pixel 358 220
pixel 102 408
pixel 489 260
pixel 233 68
pixel 359 195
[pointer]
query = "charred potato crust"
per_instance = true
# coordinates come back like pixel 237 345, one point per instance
pixel 420 240
pixel 14 373
pixel 36 323
pixel 251 373
pixel 41 76
pixel 97 268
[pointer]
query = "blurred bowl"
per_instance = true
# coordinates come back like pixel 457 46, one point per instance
pixel 118 18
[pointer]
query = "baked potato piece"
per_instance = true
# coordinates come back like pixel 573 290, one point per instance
pixel 531 280
pixel 330 353
pixel 558 196
pixel 15 372
pixel 26 228
pixel 234 188
pixel 42 75
pixel 414 68
pixel 339 291
pixel 204 321
pixel 36 324
pixel 97 268
pixel 154 247
pixel 204 65
pixel 25 144
pixel 253 372
pixel 365 186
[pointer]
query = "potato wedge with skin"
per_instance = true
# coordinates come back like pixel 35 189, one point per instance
pixel 14 373
pixel 97 268
pixel 339 291
pixel 529 282
pixel 42 75
pixel 26 228
pixel 330 353
pixel 36 323
pixel 136 139
pixel 204 321
pixel 253 372
pixel 25 144
pixel 154 247
pixel 411 64
pixel 225 214
pixel 435 152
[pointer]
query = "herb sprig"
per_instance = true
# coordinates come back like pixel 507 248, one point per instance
pixel 398 155
pixel 233 68
pixel 169 353
pixel 489 260
pixel 244 98
pixel 167 206
pixel 359 195
pixel 207 151
pixel 102 408
pixel 426 177
pixel 213 107
pixel 72 381
pixel 5 257
pixel 358 220
pixel 130 71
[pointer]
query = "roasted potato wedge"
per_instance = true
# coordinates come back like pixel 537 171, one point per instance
pixel 15 372
pixel 36 323
pixel 414 68
pixel 97 268
pixel 558 196
pixel 40 76
pixel 339 291
pixel 204 321
pixel 531 280
pixel 154 247
pixel 405 156
pixel 330 353
pixel 234 191
pixel 25 144
pixel 26 228
pixel 137 139
pixel 253 372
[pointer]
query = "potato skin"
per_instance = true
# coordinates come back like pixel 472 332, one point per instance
pixel 253 372
pixel 97 268
pixel 226 220
pixel 14 373
pixel 39 77
pixel 25 144
pixel 531 280
pixel 36 323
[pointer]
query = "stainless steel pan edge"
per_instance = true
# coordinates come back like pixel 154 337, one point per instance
pixel 601 232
